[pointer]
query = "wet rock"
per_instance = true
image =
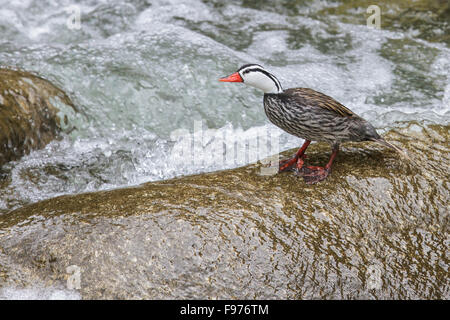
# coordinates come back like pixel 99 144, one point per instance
pixel 377 228
pixel 428 18
pixel 29 113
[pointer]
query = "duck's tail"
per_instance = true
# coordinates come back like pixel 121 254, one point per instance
pixel 390 145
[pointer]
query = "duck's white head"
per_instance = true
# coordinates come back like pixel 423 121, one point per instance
pixel 256 76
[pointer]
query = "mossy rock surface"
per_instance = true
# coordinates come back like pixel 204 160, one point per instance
pixel 377 228
pixel 29 117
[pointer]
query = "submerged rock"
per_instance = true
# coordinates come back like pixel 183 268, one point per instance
pixel 29 116
pixel 377 228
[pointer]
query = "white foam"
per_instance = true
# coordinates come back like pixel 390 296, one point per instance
pixel 165 10
pixel 227 147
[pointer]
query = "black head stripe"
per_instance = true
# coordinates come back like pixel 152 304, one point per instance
pixel 249 65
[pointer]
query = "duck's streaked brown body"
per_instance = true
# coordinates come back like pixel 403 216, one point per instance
pixel 314 116
pixel 307 114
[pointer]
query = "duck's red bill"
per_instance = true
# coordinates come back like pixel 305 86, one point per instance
pixel 235 77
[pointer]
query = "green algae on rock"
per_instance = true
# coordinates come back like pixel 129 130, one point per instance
pixel 377 228
pixel 29 116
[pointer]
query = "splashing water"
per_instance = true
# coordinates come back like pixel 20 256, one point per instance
pixel 141 71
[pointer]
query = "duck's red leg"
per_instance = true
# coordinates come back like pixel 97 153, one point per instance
pixel 298 158
pixel 313 174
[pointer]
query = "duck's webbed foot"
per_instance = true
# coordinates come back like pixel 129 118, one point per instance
pixel 288 164
pixel 313 174
pixel 297 160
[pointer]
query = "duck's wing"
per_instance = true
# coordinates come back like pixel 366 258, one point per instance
pixel 310 97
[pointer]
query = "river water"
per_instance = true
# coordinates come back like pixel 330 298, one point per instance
pixel 141 72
